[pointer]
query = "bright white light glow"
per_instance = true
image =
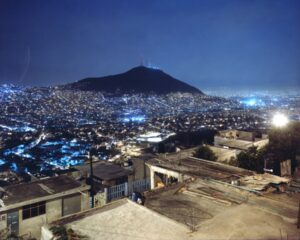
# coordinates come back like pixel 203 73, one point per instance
pixel 280 120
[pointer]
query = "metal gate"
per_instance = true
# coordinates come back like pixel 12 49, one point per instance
pixel 117 191
pixel 125 189
pixel 139 186
pixel 13 222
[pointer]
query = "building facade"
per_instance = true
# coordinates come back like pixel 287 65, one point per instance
pixel 28 206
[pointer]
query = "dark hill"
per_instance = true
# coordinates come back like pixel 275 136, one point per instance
pixel 138 80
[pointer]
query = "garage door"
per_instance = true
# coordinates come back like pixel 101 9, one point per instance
pixel 71 204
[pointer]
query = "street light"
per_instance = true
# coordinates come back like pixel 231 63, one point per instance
pixel 279 120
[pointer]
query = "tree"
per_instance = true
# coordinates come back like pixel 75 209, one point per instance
pixel 206 153
pixel 252 159
pixel 285 143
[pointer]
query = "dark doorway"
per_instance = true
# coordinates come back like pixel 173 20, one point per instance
pixel 13 222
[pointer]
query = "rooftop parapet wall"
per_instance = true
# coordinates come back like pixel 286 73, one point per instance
pixel 242 135
pixel 238 143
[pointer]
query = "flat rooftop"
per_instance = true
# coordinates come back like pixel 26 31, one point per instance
pixel 215 210
pixel 237 143
pixel 200 209
pixel 124 219
pixel 201 168
pixel 41 188
pixel 105 170
pixel 194 202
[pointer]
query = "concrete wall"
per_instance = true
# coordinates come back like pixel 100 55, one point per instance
pixel 248 136
pixel 238 143
pixel 31 226
pixel 3 221
pixel 242 135
pixel 228 133
pixel 100 199
pixel 168 173
pixel 139 169
pixel 85 201
pixel 261 143
pixel 223 154
pixel 130 179
pixel 53 210
pixel 232 143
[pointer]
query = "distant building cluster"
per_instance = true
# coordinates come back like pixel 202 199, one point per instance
pixel 124 167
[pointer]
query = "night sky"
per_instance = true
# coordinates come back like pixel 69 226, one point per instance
pixel 206 43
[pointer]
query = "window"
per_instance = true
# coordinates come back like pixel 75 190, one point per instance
pixel 33 210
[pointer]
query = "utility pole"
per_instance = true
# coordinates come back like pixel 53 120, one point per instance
pixel 92 193
pixel 299 217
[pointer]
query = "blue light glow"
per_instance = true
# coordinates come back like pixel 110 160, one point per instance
pixel 133 119
pixel 54 143
pixel 14 167
pixel 63 154
pixel 58 154
pixel 18 129
pixel 19 151
pixel 252 102
pixel 86 122
pixel 249 102
pixel 150 65
pixel 65 162
pixel 74 143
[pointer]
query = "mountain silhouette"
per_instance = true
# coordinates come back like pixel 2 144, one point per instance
pixel 137 80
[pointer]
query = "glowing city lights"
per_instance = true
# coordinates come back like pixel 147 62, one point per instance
pixel 280 120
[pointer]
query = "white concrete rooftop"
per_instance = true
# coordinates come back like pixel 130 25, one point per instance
pixel 128 220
